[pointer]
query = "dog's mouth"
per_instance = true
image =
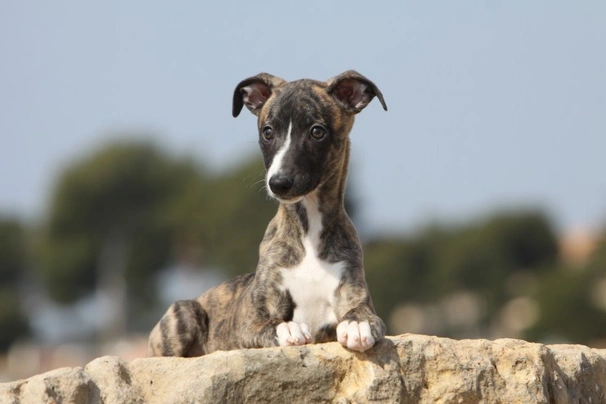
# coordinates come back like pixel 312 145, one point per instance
pixel 287 200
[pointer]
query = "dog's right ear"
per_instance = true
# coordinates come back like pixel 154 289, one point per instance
pixel 354 91
pixel 254 91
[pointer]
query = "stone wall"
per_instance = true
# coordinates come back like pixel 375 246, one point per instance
pixel 402 369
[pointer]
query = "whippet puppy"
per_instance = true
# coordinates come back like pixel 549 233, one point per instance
pixel 309 285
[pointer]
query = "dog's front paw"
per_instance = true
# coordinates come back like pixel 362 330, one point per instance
pixel 355 336
pixel 292 333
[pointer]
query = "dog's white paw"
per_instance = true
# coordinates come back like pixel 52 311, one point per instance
pixel 355 336
pixel 292 333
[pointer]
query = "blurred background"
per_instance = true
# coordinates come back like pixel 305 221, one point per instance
pixel 125 184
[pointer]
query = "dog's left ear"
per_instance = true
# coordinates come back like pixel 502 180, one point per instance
pixel 354 91
pixel 254 91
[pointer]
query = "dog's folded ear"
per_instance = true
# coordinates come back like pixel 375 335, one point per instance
pixel 254 91
pixel 353 91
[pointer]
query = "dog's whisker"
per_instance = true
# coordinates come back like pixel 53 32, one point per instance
pixel 261 189
pixel 261 179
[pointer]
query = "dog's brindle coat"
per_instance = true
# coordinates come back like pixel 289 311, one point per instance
pixel 309 284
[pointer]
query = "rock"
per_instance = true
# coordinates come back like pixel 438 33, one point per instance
pixel 402 369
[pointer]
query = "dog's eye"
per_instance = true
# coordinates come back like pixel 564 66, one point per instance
pixel 267 133
pixel 318 132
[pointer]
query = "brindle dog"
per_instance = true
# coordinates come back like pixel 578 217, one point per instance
pixel 309 285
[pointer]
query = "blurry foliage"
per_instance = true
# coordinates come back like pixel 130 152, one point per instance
pixel 12 251
pixel 165 209
pixel 226 217
pixel 479 258
pixel 13 322
pixel 122 191
pixel 573 302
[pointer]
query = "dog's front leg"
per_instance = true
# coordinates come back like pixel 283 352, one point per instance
pixel 359 326
pixel 291 333
pixel 270 322
pixel 261 333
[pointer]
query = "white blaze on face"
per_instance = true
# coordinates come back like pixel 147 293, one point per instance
pixel 276 163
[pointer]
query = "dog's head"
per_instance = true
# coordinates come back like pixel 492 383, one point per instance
pixel 303 127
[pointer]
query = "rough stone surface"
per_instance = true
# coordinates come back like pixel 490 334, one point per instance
pixel 403 369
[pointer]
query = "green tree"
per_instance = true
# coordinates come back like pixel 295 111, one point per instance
pixel 225 217
pixel 114 201
pixel 572 302
pixel 240 211
pixel 399 269
pixel 13 322
pixel 480 257
pixel 129 209
pixel 477 257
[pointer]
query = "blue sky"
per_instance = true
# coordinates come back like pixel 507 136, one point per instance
pixel 491 103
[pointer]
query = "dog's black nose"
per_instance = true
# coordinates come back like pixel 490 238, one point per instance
pixel 280 184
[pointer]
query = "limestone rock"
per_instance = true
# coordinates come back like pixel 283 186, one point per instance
pixel 402 369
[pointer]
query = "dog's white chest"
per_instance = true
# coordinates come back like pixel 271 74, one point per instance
pixel 312 286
